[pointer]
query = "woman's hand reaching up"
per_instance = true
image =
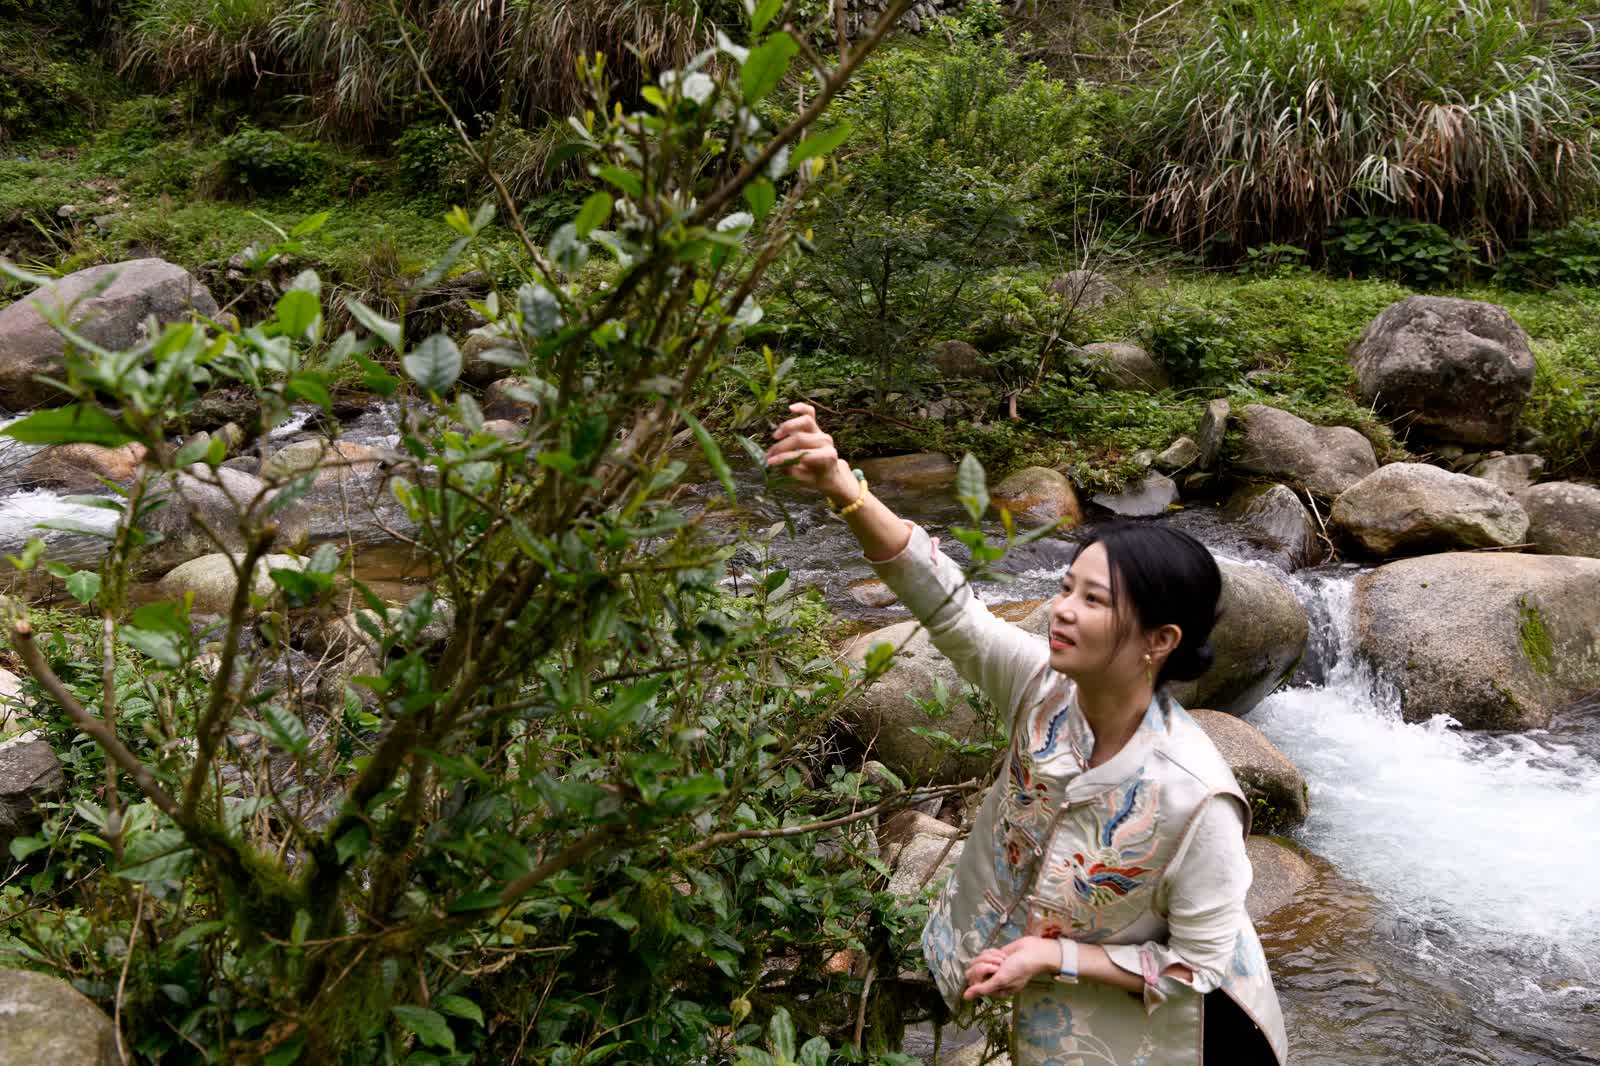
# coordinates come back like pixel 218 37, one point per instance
pixel 801 450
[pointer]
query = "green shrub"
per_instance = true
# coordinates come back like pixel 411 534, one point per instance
pixel 1567 256
pixel 1417 253
pixel 587 798
pixel 1287 118
pixel 267 161
pixel 1195 345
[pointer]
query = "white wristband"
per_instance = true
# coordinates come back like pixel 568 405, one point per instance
pixel 1068 972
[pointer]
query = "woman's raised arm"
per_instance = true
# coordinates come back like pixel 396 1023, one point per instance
pixel 803 451
pixel 996 656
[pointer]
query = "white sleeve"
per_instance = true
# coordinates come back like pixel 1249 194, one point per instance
pixel 989 652
pixel 1205 904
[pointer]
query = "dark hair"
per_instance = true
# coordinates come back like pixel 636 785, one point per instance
pixel 1167 578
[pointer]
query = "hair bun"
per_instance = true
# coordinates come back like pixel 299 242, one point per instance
pixel 1188 662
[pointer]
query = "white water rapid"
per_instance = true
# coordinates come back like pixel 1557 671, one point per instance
pixel 1481 855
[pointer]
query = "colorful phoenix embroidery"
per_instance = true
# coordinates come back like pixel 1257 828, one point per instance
pixel 1121 838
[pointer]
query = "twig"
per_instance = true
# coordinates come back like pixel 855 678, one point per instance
pixel 122 982
pixel 33 659
pixel 863 411
pixel 861 1007
pixel 899 799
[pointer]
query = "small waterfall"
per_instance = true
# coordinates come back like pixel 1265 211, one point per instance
pixel 1482 852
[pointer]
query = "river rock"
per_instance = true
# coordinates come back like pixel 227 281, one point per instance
pixel 1258 641
pixel 341 636
pixel 1274 517
pixel 115 318
pixel 1038 496
pixel 1084 290
pixel 1458 370
pixel 922 862
pixel 957 359
pixel 1563 518
pixel 914 472
pixel 1119 365
pixel 80 468
pixel 1274 787
pixel 1497 641
pixel 336 462
pixel 870 592
pixel 1415 507
pixel 1152 496
pixel 478 343
pixel 212 579
pixel 1213 428
pixel 884 715
pixel 202 498
pixel 1181 453
pixel 508 398
pixel 1511 472
pixel 30 774
pixel 1325 459
pixel 1280 874
pixel 13 704
pixel 45 1020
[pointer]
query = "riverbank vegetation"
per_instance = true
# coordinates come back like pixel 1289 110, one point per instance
pixel 561 813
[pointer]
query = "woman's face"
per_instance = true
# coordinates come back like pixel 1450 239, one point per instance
pixel 1085 631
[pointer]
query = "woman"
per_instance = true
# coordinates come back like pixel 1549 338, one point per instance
pixel 1103 883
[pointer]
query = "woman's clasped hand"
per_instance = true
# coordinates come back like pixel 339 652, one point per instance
pixel 1003 971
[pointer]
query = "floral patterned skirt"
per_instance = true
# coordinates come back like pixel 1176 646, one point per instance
pixel 1093 1024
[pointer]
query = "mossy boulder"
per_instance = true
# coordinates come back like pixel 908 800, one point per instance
pixel 915 472
pixel 1496 641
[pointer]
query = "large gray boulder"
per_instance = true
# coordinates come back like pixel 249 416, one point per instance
pixel 46 1022
pixel 1274 786
pixel 885 716
pixel 1120 365
pixel 1497 641
pixel 1415 507
pixel 957 359
pixel 113 318
pixel 1563 518
pixel 30 774
pixel 1274 518
pixel 1457 370
pixel 1037 496
pixel 1258 641
pixel 1325 459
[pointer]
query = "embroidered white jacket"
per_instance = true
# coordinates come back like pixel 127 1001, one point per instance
pixel 1143 854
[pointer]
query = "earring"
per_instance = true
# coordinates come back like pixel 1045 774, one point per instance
pixel 1149 670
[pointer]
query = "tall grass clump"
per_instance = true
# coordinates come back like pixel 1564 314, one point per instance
pixel 346 60
pixel 1288 118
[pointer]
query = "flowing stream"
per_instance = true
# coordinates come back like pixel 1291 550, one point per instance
pixel 1463 925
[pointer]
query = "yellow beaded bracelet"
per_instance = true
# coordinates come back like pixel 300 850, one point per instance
pixel 861 498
